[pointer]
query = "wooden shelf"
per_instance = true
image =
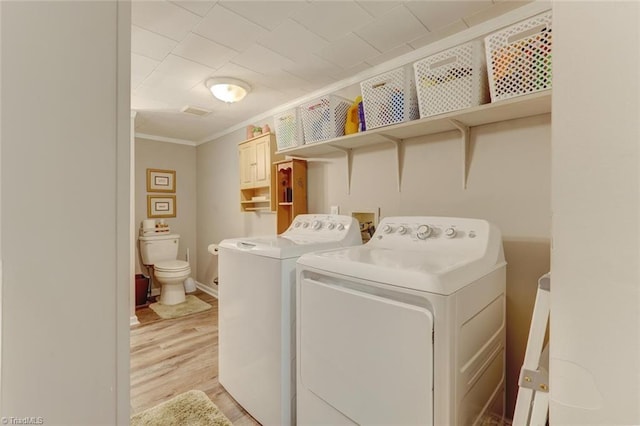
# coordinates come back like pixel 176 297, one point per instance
pixel 285 204
pixel 255 201
pixel 462 120
pixel 253 209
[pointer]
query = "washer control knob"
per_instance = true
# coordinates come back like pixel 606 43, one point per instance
pixel 402 230
pixel 472 234
pixel 423 232
pixel 387 229
pixel 450 232
pixel 305 224
pixel 297 224
pixel 316 224
pixel 331 226
pixel 340 227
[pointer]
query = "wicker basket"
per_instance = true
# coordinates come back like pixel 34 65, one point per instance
pixel 390 98
pixel 324 118
pixel 519 58
pixel 451 80
pixel 288 127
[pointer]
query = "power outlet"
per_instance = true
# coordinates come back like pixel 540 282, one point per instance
pixel 335 209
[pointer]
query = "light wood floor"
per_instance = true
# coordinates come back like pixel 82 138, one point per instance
pixel 169 357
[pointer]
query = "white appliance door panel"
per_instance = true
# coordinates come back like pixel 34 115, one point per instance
pixel 250 347
pixel 368 357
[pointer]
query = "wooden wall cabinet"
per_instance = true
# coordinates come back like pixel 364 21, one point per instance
pixel 257 182
pixel 291 191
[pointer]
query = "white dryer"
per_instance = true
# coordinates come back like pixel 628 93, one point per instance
pixel 408 329
pixel 256 294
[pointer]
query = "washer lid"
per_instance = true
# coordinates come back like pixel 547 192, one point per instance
pixel 171 266
pixel 307 233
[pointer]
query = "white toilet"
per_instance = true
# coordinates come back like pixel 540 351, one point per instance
pixel 160 252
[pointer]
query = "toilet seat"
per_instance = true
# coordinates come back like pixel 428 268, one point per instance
pixel 171 266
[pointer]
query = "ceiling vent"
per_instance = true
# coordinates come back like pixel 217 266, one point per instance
pixel 200 112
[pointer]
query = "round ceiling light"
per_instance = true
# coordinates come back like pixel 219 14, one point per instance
pixel 228 89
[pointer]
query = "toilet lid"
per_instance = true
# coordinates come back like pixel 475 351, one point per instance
pixel 171 266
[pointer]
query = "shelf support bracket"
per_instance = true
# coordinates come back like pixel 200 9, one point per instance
pixel 397 142
pixel 464 129
pixel 349 157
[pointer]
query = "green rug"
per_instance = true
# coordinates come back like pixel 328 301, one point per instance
pixel 192 305
pixel 193 408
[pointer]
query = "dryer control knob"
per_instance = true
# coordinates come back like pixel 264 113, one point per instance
pixel 331 226
pixel 423 232
pixel 305 224
pixel 450 232
pixel 402 230
pixel 316 225
pixel 340 227
pixel 387 229
pixel 297 224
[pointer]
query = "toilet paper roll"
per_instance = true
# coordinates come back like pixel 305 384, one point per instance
pixel 148 223
pixel 213 249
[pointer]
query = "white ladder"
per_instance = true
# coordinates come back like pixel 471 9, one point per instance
pixel 532 404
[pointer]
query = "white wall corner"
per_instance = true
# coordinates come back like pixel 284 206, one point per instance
pixel 207 289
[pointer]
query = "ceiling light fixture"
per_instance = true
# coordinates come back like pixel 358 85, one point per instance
pixel 228 89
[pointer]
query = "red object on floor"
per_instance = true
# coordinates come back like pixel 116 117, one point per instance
pixel 142 286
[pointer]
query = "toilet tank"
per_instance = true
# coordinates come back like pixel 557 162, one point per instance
pixel 156 248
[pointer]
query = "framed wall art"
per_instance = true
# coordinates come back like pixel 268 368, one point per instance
pixel 161 180
pixel 160 206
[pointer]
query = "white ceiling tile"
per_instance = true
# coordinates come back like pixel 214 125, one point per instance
pixel 313 69
pixel 497 9
pixel 204 51
pixel 267 14
pixel 377 8
pixel 400 27
pixel 293 40
pixel 182 69
pixel 350 72
pixel 144 103
pixel 332 19
pixel 199 7
pixel 150 44
pixel 261 59
pixel 229 29
pixel 439 34
pixel 391 54
pixel 163 18
pixel 141 67
pixel 438 14
pixel 348 51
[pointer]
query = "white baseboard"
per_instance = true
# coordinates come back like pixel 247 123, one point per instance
pixel 210 291
pixel 133 320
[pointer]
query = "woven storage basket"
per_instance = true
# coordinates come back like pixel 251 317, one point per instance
pixel 324 118
pixel 451 80
pixel 288 129
pixel 390 98
pixel 519 58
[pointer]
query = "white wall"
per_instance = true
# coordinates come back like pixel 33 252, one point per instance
pixel 152 154
pixel 218 200
pixel 595 296
pixel 65 211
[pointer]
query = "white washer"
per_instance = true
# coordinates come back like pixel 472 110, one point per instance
pixel 257 311
pixel 406 329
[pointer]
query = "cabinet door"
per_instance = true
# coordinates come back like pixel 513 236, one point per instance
pixel 247 164
pixel 263 162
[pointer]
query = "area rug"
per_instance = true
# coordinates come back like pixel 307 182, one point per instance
pixel 193 408
pixel 192 305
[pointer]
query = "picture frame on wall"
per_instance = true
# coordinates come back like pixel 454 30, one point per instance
pixel 161 180
pixel 161 206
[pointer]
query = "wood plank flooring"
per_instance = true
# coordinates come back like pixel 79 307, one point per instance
pixel 169 357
